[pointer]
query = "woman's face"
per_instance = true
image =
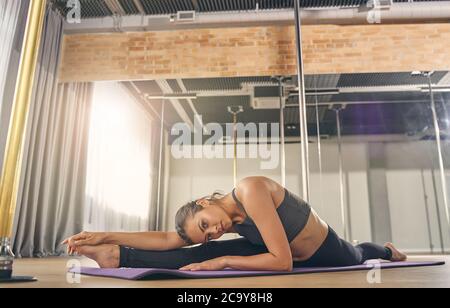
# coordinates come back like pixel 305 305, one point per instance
pixel 211 223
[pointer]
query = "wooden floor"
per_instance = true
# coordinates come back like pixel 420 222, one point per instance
pixel 52 274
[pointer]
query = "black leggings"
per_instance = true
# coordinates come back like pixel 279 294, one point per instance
pixel 333 252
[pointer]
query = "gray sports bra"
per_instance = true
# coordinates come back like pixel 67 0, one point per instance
pixel 294 214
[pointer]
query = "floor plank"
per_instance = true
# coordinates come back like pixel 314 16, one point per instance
pixel 51 273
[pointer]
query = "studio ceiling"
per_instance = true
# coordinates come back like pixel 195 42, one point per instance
pixel 372 104
pixel 101 8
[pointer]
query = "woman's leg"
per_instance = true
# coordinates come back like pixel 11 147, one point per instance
pixel 107 256
pixel 370 251
pixel 175 259
pixel 337 252
pixel 112 256
pixel 333 252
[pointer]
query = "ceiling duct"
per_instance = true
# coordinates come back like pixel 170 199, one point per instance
pixel 185 16
pixel 265 98
pixel 115 7
pixel 398 12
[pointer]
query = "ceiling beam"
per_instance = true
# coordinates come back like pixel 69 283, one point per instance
pixel 196 6
pixel 184 90
pixel 166 89
pixel 115 7
pixel 139 6
pixel 403 12
pixel 445 81
pixel 361 103
pixel 312 92
pixel 140 98
pixel 191 104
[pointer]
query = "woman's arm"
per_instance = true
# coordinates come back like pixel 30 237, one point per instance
pixel 262 262
pixel 266 262
pixel 256 197
pixel 158 241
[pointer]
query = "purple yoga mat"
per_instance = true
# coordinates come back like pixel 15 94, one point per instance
pixel 146 273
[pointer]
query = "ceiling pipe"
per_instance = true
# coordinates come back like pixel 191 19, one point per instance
pixel 398 12
pixel 309 92
pixel 407 12
pixel 139 6
pixel 115 7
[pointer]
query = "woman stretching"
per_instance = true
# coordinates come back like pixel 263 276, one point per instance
pixel 279 231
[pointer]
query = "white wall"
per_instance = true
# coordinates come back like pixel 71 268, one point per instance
pixel 412 194
pixel 325 192
pixel 194 178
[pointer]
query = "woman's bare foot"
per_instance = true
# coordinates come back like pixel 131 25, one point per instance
pixel 107 256
pixel 397 255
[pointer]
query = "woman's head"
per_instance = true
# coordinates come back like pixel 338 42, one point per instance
pixel 202 220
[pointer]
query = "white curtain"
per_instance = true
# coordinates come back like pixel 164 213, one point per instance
pixel 13 16
pixel 9 14
pixel 51 193
pixel 121 177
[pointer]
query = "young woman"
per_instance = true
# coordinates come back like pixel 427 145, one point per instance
pixel 279 231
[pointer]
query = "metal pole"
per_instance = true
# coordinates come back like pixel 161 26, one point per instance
pixel 235 111
pixel 235 149
pixel 9 183
pixel 438 211
pixel 341 177
pixel 427 211
pixel 283 139
pixel 161 153
pixel 439 146
pixel 319 142
pixel 280 80
pixel 302 105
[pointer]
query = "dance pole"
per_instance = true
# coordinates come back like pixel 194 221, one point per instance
pixel 428 75
pixel 344 216
pixel 319 141
pixel 302 105
pixel 10 176
pixel 280 80
pixel 234 112
pixel 160 165
pixel 439 147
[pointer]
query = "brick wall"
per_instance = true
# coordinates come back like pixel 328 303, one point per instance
pixel 255 51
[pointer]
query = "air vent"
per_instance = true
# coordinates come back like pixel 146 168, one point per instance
pixel 265 98
pixel 186 16
pixel 380 4
pixel 266 103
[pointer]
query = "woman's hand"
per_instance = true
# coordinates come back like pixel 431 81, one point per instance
pixel 211 265
pixel 84 239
